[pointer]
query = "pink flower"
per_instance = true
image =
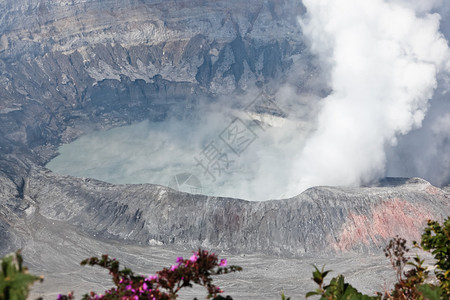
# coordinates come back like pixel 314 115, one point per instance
pixel 173 267
pixel 152 277
pixel 145 286
pixel 179 260
pixel 193 258
pixel 223 262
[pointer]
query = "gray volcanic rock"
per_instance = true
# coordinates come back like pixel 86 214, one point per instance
pixel 321 219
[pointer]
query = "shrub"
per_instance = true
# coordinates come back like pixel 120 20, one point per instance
pixel 14 278
pixel 436 239
pixel 165 284
pixel 336 289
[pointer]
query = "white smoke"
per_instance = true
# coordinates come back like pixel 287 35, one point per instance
pixel 384 58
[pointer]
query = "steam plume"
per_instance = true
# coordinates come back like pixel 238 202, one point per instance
pixel 384 58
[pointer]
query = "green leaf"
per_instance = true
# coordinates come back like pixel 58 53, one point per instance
pixel 309 294
pixel 430 292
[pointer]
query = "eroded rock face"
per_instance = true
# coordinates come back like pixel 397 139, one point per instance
pixel 320 220
pixel 72 66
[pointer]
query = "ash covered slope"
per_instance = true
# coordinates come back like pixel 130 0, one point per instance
pixel 322 219
pixel 73 66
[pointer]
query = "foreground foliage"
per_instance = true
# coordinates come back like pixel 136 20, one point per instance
pixel 14 278
pixel 165 284
pixel 436 239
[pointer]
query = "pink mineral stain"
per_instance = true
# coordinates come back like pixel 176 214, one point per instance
pixel 434 191
pixel 388 219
